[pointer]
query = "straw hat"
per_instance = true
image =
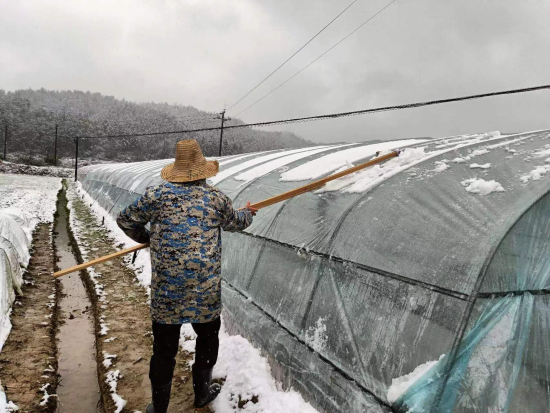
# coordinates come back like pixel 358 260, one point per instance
pixel 190 164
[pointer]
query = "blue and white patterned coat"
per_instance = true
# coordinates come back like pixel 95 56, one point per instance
pixel 186 249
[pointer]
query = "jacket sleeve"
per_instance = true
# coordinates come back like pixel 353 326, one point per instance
pixel 133 218
pixel 232 220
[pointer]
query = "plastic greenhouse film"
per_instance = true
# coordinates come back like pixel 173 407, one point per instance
pixel 356 291
pixel 12 232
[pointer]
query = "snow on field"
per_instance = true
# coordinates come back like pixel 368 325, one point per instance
pixel 247 377
pixel 36 196
pixel 247 373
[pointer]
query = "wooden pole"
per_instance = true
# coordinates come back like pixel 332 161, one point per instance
pixel 100 260
pixel 55 147
pixel 5 142
pixel 76 160
pixel 221 133
pixel 321 182
pixel 259 205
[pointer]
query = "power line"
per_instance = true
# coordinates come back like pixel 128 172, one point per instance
pixel 332 115
pixel 320 56
pixel 295 53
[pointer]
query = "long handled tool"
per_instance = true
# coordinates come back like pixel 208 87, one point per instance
pixel 259 205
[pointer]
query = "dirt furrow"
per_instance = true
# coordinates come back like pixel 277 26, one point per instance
pixel 123 324
pixel 28 362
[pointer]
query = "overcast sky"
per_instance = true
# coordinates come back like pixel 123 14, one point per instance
pixel 208 53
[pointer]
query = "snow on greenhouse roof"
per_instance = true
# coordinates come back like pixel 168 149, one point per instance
pixel 436 197
pixel 334 161
pixel 225 173
pixel 398 249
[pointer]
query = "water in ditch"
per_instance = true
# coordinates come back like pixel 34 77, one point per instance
pixel 78 390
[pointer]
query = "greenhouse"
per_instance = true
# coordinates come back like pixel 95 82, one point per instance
pixel 14 255
pixel 417 285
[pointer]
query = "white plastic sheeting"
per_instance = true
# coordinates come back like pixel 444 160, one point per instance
pixel 14 254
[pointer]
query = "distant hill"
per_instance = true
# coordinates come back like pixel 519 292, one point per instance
pixel 32 115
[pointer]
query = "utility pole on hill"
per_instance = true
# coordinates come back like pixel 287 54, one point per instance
pixel 76 159
pixel 223 118
pixel 55 147
pixel 5 142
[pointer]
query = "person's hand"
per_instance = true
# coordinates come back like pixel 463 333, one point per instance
pixel 251 209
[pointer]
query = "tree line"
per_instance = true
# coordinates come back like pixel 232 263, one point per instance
pixel 31 116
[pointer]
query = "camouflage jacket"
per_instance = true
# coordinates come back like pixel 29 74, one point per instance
pixel 186 220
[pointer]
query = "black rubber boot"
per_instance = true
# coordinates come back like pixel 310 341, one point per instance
pixel 161 399
pixel 204 390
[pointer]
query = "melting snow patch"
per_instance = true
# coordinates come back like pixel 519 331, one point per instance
pixel 458 160
pixel 316 337
pixel 332 162
pixel 543 153
pixel 268 167
pixel 478 152
pixel 481 186
pixel 187 338
pixel 108 359
pixel 484 166
pixel 362 181
pixel 46 396
pixel 440 166
pixel 112 381
pixel 104 329
pixel 247 378
pixel 401 384
pixel 142 265
pixel 536 174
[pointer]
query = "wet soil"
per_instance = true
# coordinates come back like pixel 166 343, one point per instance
pixel 78 389
pixel 121 305
pixel 28 361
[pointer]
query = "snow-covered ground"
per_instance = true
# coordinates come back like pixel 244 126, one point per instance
pixel 246 372
pixel 17 168
pixel 36 196
pixel 25 201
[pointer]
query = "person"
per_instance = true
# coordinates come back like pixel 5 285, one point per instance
pixel 185 216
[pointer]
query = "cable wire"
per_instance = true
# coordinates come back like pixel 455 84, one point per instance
pixel 318 57
pixel 295 53
pixel 330 116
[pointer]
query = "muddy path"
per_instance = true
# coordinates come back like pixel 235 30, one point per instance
pixel 123 324
pixel 78 389
pixel 28 362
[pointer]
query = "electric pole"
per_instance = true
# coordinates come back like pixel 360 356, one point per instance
pixel 5 142
pixel 223 119
pixel 55 147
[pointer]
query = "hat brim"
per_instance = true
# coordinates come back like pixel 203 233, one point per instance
pixel 172 174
